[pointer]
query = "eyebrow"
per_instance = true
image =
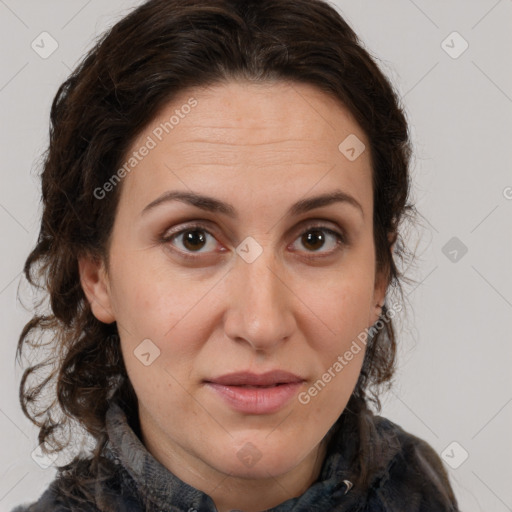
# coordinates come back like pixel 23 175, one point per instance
pixel 214 205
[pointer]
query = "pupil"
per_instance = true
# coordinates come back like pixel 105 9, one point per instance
pixel 311 237
pixel 193 238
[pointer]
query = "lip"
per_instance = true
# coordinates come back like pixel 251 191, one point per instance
pixel 252 393
pixel 257 379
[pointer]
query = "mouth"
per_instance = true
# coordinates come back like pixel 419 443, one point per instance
pixel 258 387
pixel 248 379
pixel 251 393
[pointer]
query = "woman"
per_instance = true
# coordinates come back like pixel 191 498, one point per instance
pixel 222 195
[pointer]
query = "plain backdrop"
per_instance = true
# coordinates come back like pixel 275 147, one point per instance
pixel 451 64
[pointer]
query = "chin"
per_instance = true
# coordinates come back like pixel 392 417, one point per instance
pixel 261 470
pixel 252 463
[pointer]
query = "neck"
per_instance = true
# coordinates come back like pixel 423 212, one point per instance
pixel 235 493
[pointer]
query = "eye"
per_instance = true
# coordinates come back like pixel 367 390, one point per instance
pixel 197 239
pixel 318 237
pixel 192 239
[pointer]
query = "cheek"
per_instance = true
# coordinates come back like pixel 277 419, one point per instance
pixel 339 349
pixel 328 395
pixel 156 334
pixel 148 299
pixel 336 334
pixel 339 312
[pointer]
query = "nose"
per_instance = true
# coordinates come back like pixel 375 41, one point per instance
pixel 261 302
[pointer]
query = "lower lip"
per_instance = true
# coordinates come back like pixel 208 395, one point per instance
pixel 262 400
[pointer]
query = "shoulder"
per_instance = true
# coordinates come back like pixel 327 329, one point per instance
pixel 45 503
pixel 74 489
pixel 415 477
pixel 52 501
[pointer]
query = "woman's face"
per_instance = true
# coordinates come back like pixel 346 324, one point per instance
pixel 243 273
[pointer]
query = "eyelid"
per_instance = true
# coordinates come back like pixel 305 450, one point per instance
pixel 167 236
pixel 303 227
pixel 338 234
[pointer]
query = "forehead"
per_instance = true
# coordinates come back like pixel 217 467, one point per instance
pixel 253 109
pixel 259 134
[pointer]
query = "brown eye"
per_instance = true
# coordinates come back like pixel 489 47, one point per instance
pixel 319 237
pixel 193 239
pixel 313 240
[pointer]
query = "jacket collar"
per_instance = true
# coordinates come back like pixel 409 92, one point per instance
pixel 158 486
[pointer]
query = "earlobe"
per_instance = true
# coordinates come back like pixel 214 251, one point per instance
pixel 95 284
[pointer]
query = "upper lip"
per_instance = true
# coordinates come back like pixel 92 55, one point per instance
pixel 252 379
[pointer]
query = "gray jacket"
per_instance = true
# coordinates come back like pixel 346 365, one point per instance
pixel 412 479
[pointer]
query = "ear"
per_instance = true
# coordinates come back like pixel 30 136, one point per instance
pixel 96 286
pixel 379 295
pixel 379 291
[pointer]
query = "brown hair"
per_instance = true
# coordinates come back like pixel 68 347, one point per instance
pixel 161 48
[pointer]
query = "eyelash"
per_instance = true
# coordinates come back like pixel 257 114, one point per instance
pixel 165 239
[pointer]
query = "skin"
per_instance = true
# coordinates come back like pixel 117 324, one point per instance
pixel 261 148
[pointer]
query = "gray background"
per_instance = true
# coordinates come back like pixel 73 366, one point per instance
pixel 454 382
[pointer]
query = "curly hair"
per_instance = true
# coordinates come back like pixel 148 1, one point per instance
pixel 158 50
